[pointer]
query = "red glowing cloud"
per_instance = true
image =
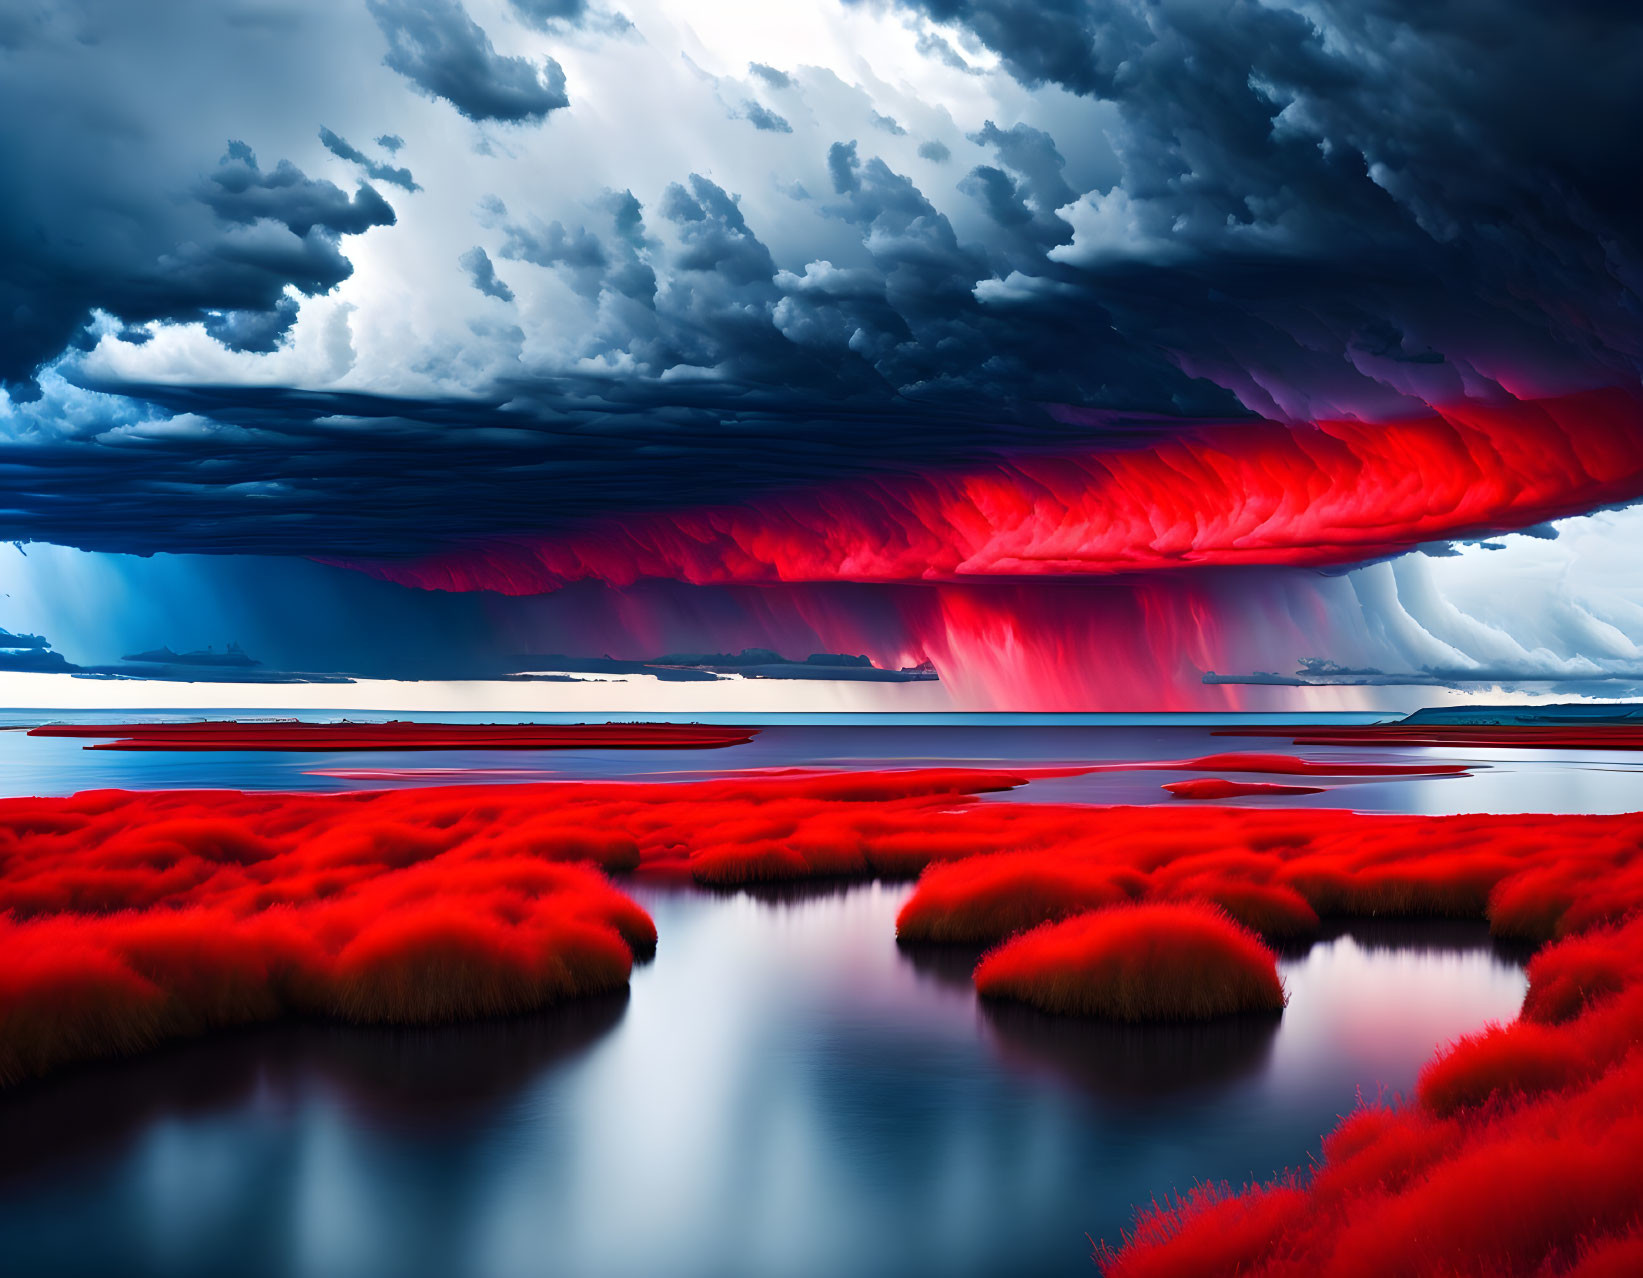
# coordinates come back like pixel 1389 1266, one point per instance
pixel 1236 494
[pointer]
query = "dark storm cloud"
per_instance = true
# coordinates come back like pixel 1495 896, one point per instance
pixel 253 331
pixel 1423 177
pixel 770 75
pixel 240 192
pixel 735 376
pixel 1622 680
pixel 22 643
pixel 32 654
pixel 562 15
pixel 482 272
pixel 446 54
pixel 111 119
pixel 581 254
pixel 349 475
pixel 934 46
pixel 1343 213
pixel 392 174
pixel 223 252
pixel 763 118
pixel 544 13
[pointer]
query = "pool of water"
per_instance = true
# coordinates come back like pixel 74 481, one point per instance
pixel 784 1091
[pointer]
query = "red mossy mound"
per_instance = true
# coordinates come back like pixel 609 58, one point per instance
pixel 1534 877
pixel 132 918
pixel 1221 788
pixel 1182 962
pixel 987 898
pixel 292 734
pixel 1518 1156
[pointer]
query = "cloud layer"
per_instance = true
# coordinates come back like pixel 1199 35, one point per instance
pixel 609 289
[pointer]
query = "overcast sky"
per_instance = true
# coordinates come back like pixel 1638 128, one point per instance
pixel 289 290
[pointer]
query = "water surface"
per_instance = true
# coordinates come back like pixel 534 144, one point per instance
pixel 783 1092
pixel 1503 780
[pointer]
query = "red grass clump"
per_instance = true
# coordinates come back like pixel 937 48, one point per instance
pixel 1221 788
pixel 292 734
pixel 1519 1155
pixel 127 919
pixel 1534 877
pixel 1180 962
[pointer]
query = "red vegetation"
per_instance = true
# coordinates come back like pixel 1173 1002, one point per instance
pixel 397 734
pixel 339 903
pixel 1221 788
pixel 1275 869
pixel 1202 494
pixel 1137 963
pixel 126 919
pixel 1289 765
pixel 1519 1155
pixel 1505 736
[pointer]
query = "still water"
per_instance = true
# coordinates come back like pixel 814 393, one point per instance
pixel 1501 780
pixel 783 1092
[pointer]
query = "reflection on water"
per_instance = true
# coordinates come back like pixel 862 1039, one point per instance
pixel 1136 1062
pixel 417 1080
pixel 784 1093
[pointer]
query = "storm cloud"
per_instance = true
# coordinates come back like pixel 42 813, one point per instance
pixel 107 212
pixel 374 169
pixel 446 54
pixel 1027 228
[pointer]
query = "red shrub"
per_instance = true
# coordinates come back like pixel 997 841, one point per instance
pixel 1211 1231
pixel 1520 1157
pixel 1517 1060
pixel 1276 912
pixel 131 918
pixel 1567 979
pixel 1614 1257
pixel 987 898
pixel 1137 963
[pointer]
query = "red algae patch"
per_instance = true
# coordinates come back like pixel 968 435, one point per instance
pixel 1179 962
pixel 292 734
pixel 1221 788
